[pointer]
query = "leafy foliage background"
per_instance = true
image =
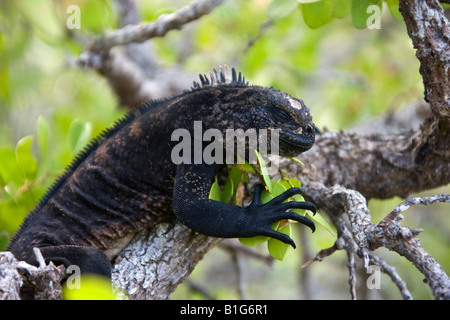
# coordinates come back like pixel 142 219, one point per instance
pixel 50 108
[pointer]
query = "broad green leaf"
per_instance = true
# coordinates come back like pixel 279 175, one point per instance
pixel 321 220
pixel 264 171
pixel 214 193
pixel 318 13
pixel 393 8
pixel 247 167
pixel 8 166
pixel 42 137
pixel 362 15
pixel 299 198
pixel 278 188
pixel 91 288
pixel 79 135
pixel 294 182
pixel 253 241
pixel 341 8
pixel 236 175
pixel 277 248
pixel 25 160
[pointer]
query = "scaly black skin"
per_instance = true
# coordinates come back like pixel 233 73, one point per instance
pixel 125 181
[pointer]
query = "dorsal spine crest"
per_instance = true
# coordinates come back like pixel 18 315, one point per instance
pixel 225 75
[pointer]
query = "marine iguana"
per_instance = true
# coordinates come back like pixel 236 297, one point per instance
pixel 125 181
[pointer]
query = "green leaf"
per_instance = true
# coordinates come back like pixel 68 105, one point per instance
pixel 294 182
pixel 393 8
pixel 297 161
pixel 264 171
pixel 25 160
pixel 341 8
pixel 8 166
pixel 253 241
pixel 318 13
pixel 236 176
pixel 360 16
pixel 317 218
pixel 247 167
pixel 278 188
pixel 79 135
pixel 42 137
pixel 277 248
pixel 214 193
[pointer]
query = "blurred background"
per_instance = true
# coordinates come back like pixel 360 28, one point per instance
pixel 50 108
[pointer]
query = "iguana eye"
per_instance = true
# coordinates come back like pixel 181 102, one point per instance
pixel 283 115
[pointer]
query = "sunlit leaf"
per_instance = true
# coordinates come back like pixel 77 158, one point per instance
pixel 25 160
pixel 264 171
pixel 393 8
pixel 297 161
pixel 341 8
pixel 317 218
pixel 215 193
pixel 318 13
pixel 79 135
pixel 360 14
pixel 277 248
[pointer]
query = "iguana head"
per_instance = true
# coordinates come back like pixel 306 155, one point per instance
pixel 290 116
pixel 256 107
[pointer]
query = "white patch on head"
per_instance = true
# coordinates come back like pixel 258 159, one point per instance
pixel 295 104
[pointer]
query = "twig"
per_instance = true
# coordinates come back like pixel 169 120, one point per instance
pixel 411 201
pixel 158 28
pixel 322 254
pixel 352 276
pixel 392 273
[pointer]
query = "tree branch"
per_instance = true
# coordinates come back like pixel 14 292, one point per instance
pixel 381 166
pixel 152 266
pixel 135 77
pixel 429 30
pixel 365 236
pixel 159 28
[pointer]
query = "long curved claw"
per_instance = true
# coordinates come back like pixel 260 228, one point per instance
pixel 279 236
pixel 299 205
pixel 286 195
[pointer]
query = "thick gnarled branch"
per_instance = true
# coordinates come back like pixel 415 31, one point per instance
pixel 430 32
pixel 382 166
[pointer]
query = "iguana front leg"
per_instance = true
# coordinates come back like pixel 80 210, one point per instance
pixel 223 220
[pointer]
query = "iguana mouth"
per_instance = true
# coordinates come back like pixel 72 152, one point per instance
pixel 295 144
